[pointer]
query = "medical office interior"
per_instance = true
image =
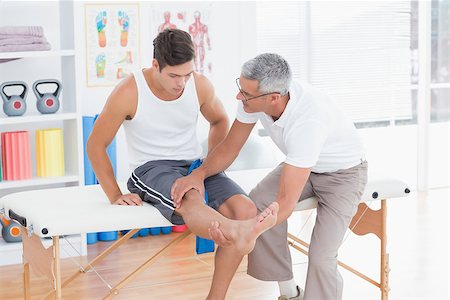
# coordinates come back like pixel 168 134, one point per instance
pixel 387 64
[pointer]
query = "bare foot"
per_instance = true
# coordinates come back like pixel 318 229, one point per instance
pixel 243 234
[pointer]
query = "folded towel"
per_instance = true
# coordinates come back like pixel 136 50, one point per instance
pixel 8 36
pixel 30 47
pixel 22 30
pixel 23 40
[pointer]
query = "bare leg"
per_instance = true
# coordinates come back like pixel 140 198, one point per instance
pixel 226 262
pixel 227 259
pixel 241 234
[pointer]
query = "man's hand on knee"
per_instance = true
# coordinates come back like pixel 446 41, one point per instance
pixel 182 185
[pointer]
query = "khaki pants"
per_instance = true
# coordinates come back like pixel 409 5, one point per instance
pixel 339 195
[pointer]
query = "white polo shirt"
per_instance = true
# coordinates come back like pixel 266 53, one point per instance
pixel 312 131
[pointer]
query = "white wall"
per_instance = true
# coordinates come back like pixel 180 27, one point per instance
pixel 233 26
pixel 391 151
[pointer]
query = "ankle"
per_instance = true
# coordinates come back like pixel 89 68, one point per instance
pixel 288 288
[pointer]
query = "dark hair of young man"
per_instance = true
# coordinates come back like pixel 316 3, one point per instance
pixel 173 47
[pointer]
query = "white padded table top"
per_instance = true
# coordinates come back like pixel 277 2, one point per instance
pixel 375 190
pixel 81 209
pixel 73 210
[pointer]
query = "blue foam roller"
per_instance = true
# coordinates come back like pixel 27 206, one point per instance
pixel 203 245
pixel 166 229
pixel 155 230
pixel 107 236
pixel 143 232
pixel 89 175
pixel 91 238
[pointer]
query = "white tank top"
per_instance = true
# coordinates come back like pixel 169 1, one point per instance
pixel 161 129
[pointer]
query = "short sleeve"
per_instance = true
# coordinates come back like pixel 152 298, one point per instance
pixel 245 117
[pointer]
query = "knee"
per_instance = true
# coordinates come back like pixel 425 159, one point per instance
pixel 189 201
pixel 321 260
pixel 192 196
pixel 246 210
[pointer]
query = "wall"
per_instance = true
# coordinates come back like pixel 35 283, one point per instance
pixel 233 26
pixel 390 151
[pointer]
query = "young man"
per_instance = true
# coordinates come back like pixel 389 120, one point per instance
pixel 324 157
pixel 158 108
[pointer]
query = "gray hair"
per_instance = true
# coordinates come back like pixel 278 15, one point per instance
pixel 271 71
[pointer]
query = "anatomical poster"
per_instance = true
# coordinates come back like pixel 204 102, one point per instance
pixel 112 42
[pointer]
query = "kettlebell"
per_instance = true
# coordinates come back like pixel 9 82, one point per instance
pixel 14 105
pixel 10 230
pixel 47 103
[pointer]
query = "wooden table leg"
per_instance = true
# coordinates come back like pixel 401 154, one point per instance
pixel 26 281
pixel 384 267
pixel 57 267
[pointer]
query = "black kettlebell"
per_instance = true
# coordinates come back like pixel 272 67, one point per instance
pixel 47 103
pixel 14 105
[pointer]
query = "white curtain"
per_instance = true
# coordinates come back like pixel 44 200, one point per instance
pixel 357 52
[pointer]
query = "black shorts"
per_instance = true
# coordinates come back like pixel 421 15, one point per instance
pixel 153 182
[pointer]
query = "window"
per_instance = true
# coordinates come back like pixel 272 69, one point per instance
pixel 440 61
pixel 367 56
pixel 358 52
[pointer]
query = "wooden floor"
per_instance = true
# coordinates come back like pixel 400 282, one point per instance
pixel 418 243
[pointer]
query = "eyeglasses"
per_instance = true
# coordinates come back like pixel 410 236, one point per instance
pixel 251 98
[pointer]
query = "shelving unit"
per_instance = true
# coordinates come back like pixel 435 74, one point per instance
pixel 35 118
pixel 59 63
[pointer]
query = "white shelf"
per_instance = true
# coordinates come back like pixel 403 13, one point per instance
pixel 62 63
pixel 26 54
pixel 38 118
pixel 37 181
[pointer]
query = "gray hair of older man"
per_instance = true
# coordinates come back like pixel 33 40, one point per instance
pixel 271 71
